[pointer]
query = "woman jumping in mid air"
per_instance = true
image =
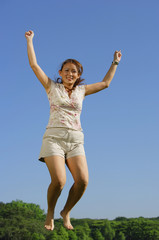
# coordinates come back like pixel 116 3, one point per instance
pixel 63 140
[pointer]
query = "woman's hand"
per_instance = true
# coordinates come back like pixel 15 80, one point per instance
pixel 117 56
pixel 29 35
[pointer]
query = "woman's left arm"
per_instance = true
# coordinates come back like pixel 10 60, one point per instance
pixel 96 87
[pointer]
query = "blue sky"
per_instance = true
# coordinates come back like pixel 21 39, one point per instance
pixel 120 123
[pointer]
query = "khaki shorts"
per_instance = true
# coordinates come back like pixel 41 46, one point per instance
pixel 63 142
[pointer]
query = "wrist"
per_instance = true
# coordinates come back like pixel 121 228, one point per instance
pixel 115 62
pixel 29 40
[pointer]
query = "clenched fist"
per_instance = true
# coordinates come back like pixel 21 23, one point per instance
pixel 117 56
pixel 29 35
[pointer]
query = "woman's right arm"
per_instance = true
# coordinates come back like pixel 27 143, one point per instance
pixel 43 78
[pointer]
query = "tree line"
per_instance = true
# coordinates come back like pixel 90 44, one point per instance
pixel 25 221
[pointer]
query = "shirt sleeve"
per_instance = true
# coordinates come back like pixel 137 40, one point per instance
pixel 53 84
pixel 83 90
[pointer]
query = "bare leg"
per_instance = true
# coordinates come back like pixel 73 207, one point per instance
pixel 56 167
pixel 79 170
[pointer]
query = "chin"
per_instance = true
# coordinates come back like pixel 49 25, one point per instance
pixel 70 82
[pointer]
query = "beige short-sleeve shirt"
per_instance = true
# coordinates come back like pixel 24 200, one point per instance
pixel 65 111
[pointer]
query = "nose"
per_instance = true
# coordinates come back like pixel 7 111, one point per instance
pixel 70 73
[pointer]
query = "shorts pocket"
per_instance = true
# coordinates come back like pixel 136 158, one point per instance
pixel 77 137
pixel 57 133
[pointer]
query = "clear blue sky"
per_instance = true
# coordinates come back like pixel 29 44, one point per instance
pixel 121 123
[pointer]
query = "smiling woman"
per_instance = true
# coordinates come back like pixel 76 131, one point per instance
pixel 63 140
pixel 73 69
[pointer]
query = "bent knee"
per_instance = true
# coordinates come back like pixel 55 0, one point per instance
pixel 59 183
pixel 83 182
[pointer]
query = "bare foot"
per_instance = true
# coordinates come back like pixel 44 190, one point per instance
pixel 49 223
pixel 66 220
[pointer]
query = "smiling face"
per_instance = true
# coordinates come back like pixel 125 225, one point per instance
pixel 69 74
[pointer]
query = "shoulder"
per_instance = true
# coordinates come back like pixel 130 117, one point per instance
pixel 52 85
pixel 81 89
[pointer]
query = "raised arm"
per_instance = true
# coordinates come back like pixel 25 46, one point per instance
pixel 96 87
pixel 43 78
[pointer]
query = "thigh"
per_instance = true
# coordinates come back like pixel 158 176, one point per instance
pixel 56 167
pixel 78 168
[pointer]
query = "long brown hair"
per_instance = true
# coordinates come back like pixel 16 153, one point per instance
pixel 79 69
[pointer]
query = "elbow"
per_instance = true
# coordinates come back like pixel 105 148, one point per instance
pixel 33 66
pixel 106 85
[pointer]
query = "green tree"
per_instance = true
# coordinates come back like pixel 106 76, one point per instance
pixel 120 236
pixel 72 235
pixel 154 235
pixel 86 228
pixel 52 235
pixel 81 235
pixel 107 231
pixel 97 235
pixel 62 234
pixel 37 236
pixel 120 219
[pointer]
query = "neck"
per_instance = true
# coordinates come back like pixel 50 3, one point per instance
pixel 68 87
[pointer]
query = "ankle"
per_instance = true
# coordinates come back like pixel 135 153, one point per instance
pixel 50 212
pixel 64 213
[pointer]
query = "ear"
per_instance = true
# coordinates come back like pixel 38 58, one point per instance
pixel 60 73
pixel 79 75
